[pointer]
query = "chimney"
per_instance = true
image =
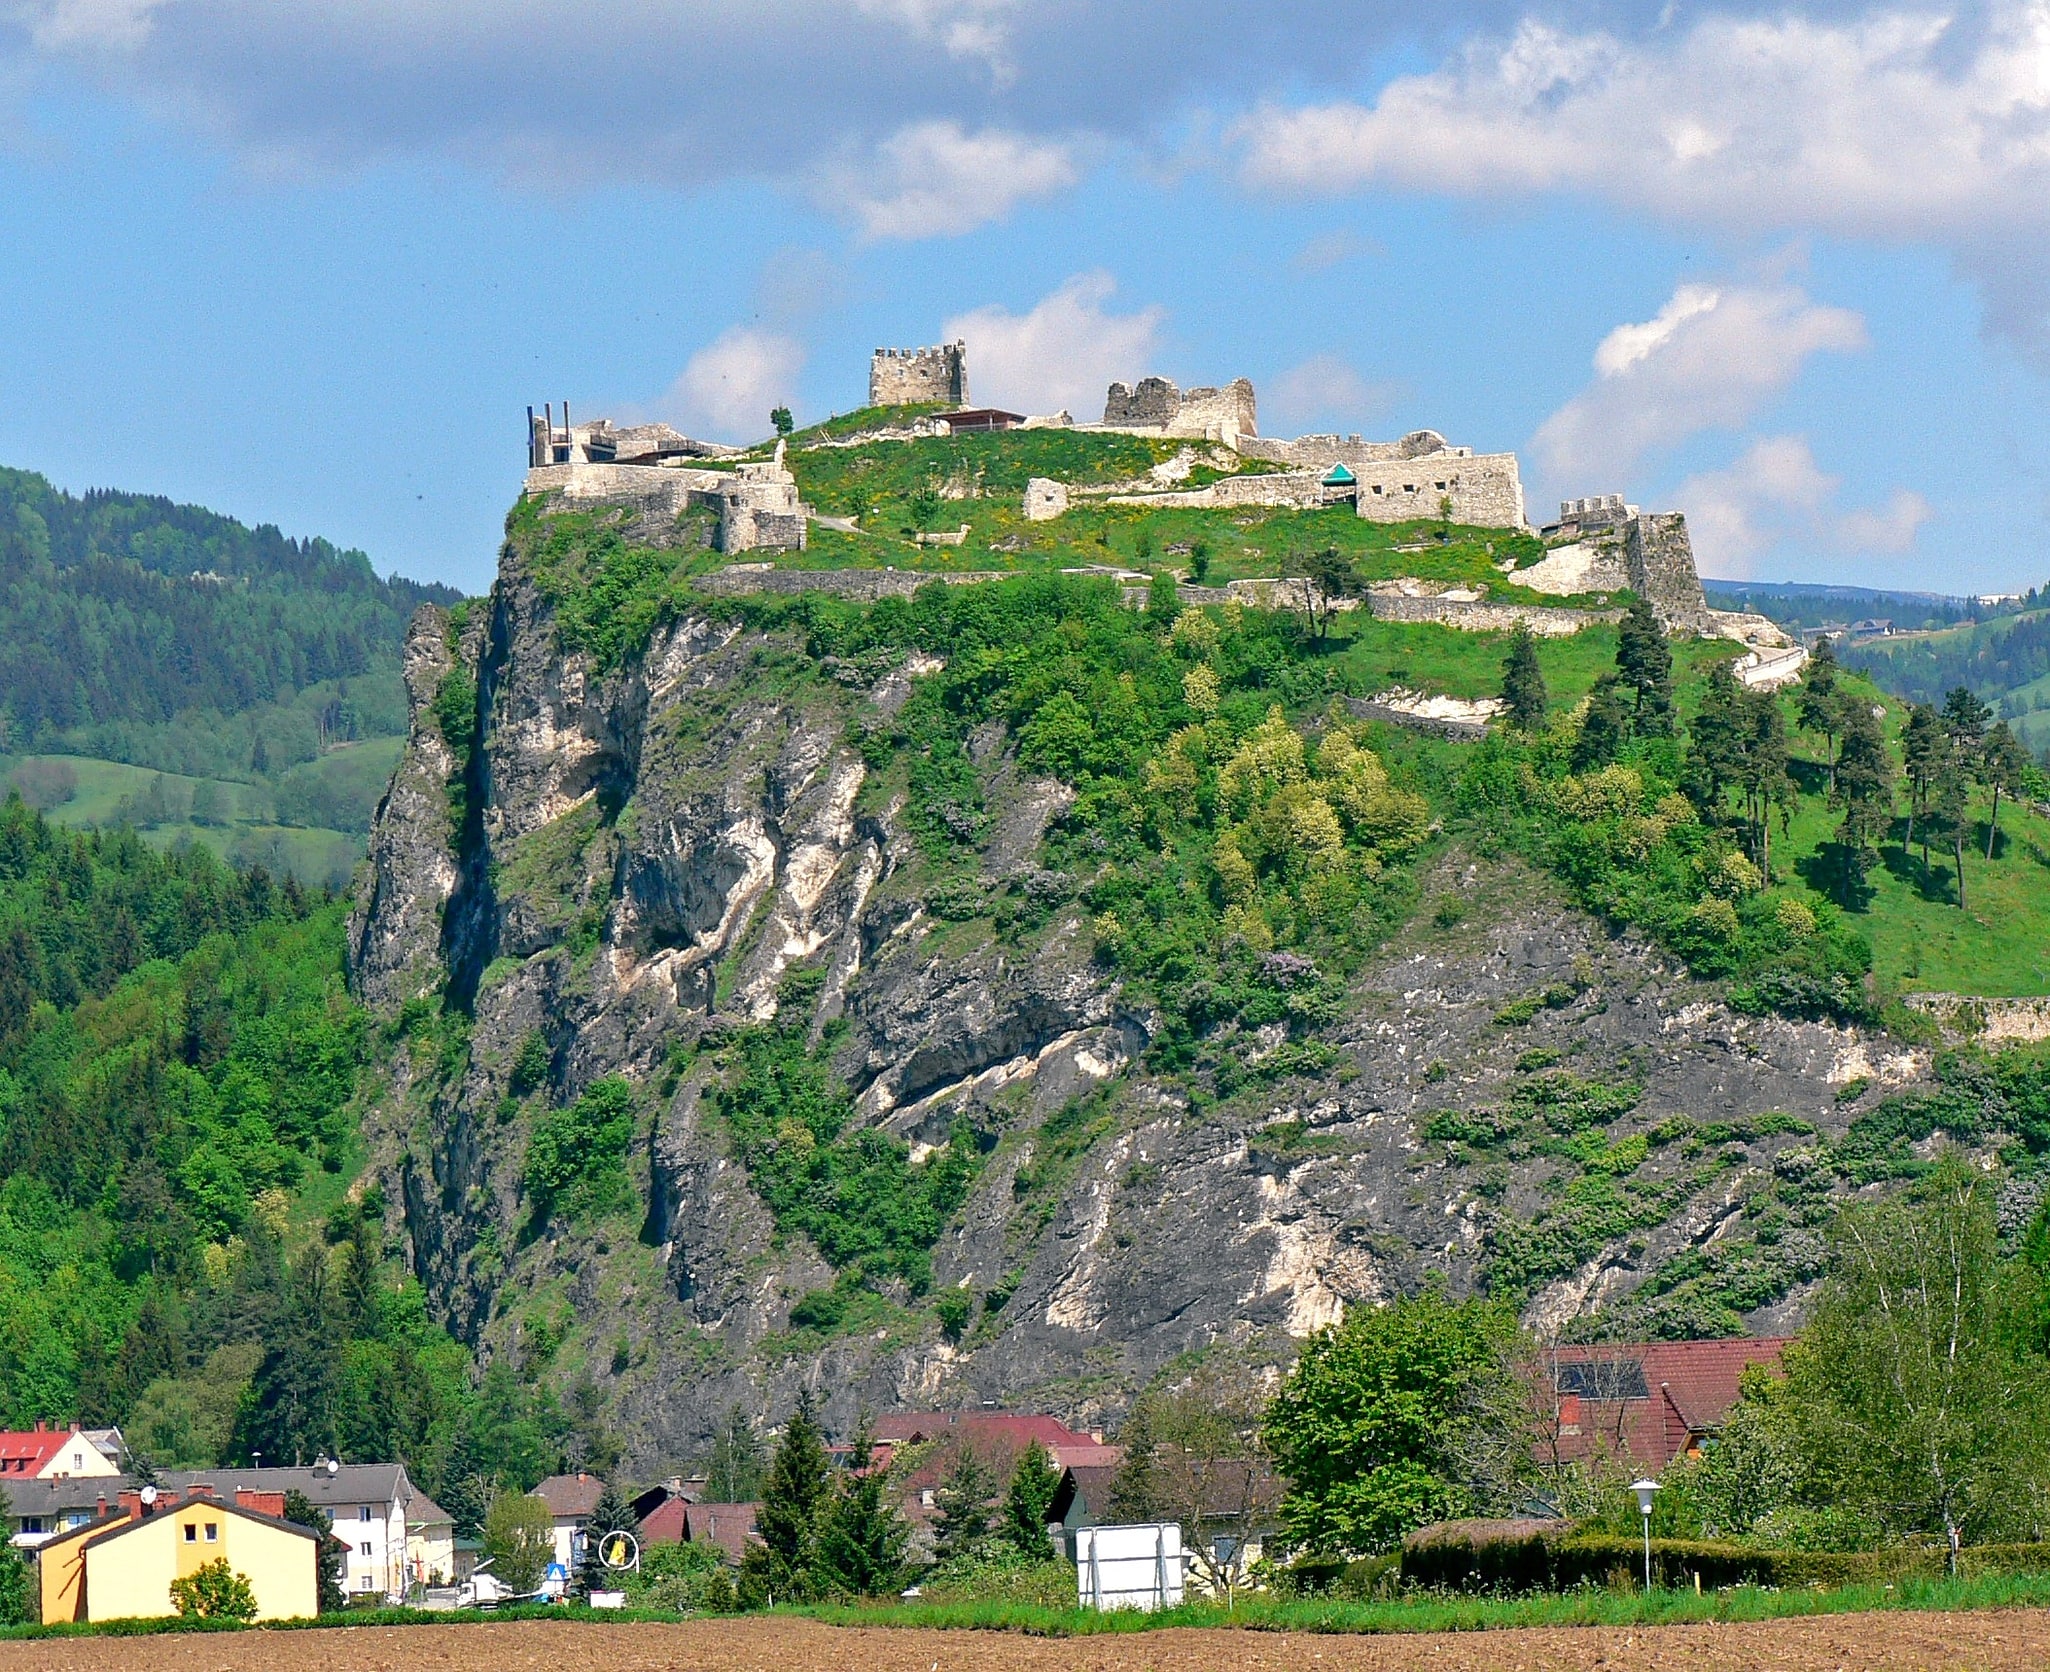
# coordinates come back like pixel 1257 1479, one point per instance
pixel 200 1489
pixel 76 1426
pixel 100 1508
pixel 131 1504
pixel 262 1503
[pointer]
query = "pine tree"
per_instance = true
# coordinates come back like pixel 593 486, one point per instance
pixel 1763 771
pixel 1863 789
pixel 1029 1501
pixel 1644 661
pixel 2003 764
pixel 734 1474
pixel 796 1491
pixel 966 1501
pixel 1715 741
pixel 862 1539
pixel 611 1514
pixel 1822 701
pixel 1950 801
pixel 1523 681
pixel 333 1553
pixel 1922 750
pixel 1136 1490
pixel 1603 731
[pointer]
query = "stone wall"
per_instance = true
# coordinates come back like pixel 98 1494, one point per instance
pixel 1472 616
pixel 1299 489
pixel 1484 489
pixel 659 489
pixel 1660 559
pixel 1582 567
pixel 1321 452
pixel 1045 499
pixel 916 376
pixel 1155 403
pixel 866 585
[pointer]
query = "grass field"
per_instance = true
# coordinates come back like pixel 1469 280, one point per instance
pixel 328 802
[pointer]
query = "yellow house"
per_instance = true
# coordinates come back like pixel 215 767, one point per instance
pixel 122 1567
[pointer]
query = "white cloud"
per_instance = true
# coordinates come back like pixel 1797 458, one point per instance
pixel 1709 359
pixel 1902 122
pixel 72 25
pixel 727 389
pixel 1321 390
pixel 1063 354
pixel 934 179
pixel 1329 249
pixel 1776 494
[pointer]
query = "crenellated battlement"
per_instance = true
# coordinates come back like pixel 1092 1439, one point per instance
pixel 919 376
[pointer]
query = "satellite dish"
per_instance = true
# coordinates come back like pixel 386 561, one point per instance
pixel 333 1468
pixel 149 1496
pixel 619 1551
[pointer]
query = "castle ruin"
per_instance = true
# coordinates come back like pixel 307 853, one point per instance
pixel 1154 406
pixel 919 376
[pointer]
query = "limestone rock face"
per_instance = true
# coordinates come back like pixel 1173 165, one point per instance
pixel 630 861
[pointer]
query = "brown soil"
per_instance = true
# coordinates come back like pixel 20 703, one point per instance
pixel 1896 1642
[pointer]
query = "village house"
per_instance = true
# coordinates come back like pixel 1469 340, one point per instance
pixel 1647 1402
pixel 375 1508
pixel 122 1566
pixel 50 1453
pixel 571 1500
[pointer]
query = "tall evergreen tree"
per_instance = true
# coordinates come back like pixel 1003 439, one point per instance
pixel 1863 789
pixel 1950 799
pixel 1605 728
pixel 1922 752
pixel 1821 701
pixel 1523 681
pixel 2003 765
pixel 793 1496
pixel 1762 771
pixel 1644 662
pixel 862 1539
pixel 1715 741
pixel 290 1415
pixel 611 1514
pixel 332 1553
pixel 734 1474
pixel 1029 1502
pixel 966 1501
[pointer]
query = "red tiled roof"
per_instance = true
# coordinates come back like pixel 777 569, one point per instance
pixel 667 1523
pixel 729 1526
pixel 1688 1388
pixel 24 1452
pixel 1013 1428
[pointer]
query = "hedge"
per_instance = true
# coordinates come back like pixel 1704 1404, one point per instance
pixel 1554 1556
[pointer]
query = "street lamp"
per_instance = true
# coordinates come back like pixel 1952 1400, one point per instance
pixel 1644 1489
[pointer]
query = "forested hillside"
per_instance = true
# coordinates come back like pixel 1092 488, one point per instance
pixel 179 1097
pixel 2005 663
pixel 175 670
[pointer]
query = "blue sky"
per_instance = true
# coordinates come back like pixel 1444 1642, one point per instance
pixel 1785 270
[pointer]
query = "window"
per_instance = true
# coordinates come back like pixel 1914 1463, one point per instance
pixel 1621 1378
pixel 192 1532
pixel 363 1513
pixel 365 1548
pixel 32 1523
pixel 365 1582
pixel 213 1532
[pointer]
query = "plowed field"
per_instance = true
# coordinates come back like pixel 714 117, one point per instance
pixel 1897 1642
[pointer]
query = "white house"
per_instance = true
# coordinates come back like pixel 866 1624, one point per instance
pixel 372 1506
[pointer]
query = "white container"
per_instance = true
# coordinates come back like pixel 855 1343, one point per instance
pixel 1129 1567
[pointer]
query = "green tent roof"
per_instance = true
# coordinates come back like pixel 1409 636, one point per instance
pixel 1340 477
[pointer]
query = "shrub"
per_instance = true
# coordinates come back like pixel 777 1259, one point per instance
pixel 214 1592
pixel 576 1157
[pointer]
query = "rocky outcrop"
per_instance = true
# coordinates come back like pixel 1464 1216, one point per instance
pixel 627 864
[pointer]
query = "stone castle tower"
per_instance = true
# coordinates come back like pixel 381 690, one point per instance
pixel 919 376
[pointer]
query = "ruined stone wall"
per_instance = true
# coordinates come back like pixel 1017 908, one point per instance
pixel 659 489
pixel 1484 488
pixel 916 376
pixel 865 585
pixel 1481 617
pixel 1045 499
pixel 1155 403
pixel 1321 452
pixel 1299 489
pixel 1660 559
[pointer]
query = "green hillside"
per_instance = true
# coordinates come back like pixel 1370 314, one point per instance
pixel 2005 663
pixel 256 676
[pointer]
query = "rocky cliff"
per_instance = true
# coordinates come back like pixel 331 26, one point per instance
pixel 599 865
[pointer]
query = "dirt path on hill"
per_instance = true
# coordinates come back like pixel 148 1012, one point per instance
pixel 1896 1642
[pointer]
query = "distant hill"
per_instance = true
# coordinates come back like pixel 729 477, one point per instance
pixel 2006 662
pixel 251 678
pixel 1804 604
